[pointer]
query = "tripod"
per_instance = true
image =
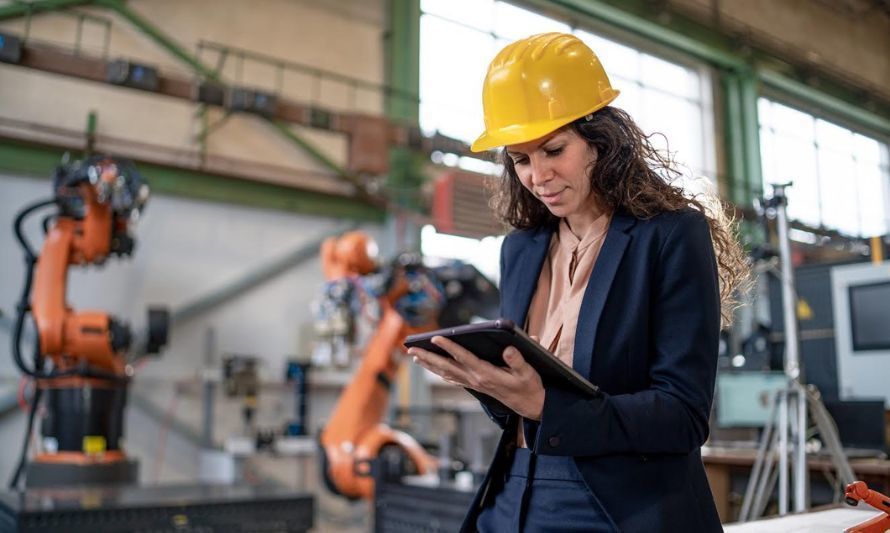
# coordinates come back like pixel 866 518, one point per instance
pixel 785 433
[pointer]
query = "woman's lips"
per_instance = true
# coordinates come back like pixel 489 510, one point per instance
pixel 550 197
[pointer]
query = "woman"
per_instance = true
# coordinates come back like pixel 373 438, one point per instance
pixel 620 274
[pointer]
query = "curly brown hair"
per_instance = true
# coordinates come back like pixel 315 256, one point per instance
pixel 631 174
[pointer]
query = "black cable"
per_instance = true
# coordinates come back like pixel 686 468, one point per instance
pixel 24 305
pixel 20 218
pixel 46 220
pixel 13 483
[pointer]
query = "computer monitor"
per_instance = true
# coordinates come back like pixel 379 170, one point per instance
pixel 870 316
pixel 743 398
pixel 861 300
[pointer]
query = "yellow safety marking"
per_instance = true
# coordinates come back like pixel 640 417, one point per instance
pixel 804 311
pixel 93 444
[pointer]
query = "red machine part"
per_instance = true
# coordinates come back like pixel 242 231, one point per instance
pixel 354 435
pixel 859 491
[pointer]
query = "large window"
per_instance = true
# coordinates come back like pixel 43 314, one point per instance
pixel 459 38
pixel 841 179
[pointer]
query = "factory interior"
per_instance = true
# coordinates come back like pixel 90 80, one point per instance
pixel 221 220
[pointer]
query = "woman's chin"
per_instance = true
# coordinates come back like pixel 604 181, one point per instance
pixel 558 210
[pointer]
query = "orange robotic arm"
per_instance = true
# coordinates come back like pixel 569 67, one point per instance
pixel 86 386
pixel 859 491
pixel 354 435
pixel 70 338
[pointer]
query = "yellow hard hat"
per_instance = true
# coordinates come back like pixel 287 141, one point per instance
pixel 537 85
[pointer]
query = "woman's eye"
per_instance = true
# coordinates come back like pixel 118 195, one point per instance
pixel 520 161
pixel 553 152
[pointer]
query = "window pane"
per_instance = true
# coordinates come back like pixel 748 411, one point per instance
pixel 764 112
pixel 679 121
pixel 796 162
pixel 630 99
pixel 514 23
pixel 792 122
pixel 872 197
pixel 619 61
pixel 833 137
pixel 841 180
pixel 867 150
pixel 768 157
pixel 669 77
pixel 452 102
pixel 838 194
pixel 481 10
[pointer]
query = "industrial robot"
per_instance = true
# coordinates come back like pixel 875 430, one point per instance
pixel 859 492
pixel 409 300
pixel 81 359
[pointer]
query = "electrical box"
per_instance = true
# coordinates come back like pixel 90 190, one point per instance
pixel 209 92
pixel 461 205
pixel 133 75
pixel 10 49
pixel 369 146
pixel 252 101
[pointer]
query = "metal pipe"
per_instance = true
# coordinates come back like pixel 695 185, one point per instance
pixel 159 37
pixel 800 459
pixel 783 453
pixel 789 299
pixel 765 447
pixel 19 9
pixel 209 387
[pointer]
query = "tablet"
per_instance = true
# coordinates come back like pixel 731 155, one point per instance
pixel 489 339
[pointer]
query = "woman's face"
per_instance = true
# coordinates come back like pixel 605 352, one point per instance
pixel 555 169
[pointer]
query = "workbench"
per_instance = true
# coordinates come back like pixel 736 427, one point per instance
pixel 722 465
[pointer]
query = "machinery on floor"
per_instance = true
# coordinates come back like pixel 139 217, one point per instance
pixel 81 359
pixel 410 298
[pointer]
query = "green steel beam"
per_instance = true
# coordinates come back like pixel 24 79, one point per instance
pixel 162 39
pixel 402 51
pixel 92 127
pixel 748 95
pixel 21 9
pixel 733 137
pixel 38 161
pixel 639 17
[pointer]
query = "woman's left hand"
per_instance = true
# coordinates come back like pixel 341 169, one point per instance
pixel 517 385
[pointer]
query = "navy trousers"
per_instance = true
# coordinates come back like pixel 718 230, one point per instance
pixel 544 493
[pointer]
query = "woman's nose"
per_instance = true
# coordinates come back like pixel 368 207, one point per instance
pixel 542 171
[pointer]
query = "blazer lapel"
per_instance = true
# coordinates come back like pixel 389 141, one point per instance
pixel 597 290
pixel 518 290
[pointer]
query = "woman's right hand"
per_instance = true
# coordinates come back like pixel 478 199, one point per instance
pixel 517 386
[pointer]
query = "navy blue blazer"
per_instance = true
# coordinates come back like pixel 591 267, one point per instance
pixel 647 335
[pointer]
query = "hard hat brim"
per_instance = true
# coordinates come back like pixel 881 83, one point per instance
pixel 529 132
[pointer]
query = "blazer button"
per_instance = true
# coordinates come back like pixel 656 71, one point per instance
pixel 553 441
